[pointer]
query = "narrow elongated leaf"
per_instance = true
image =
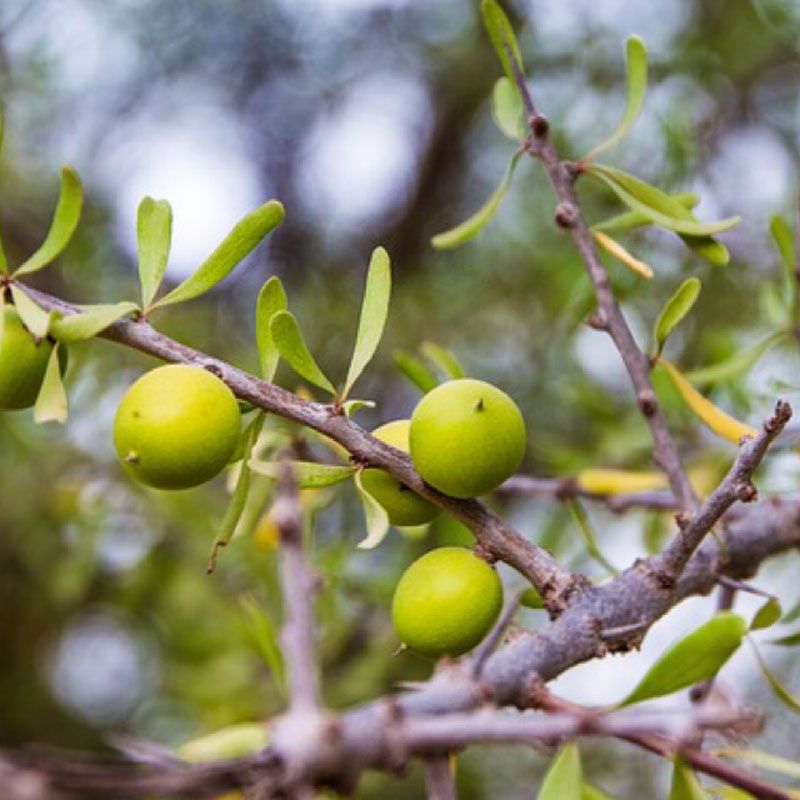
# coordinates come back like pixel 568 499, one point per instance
pixel 234 741
pixel 35 319
pixel 564 779
pixel 375 516
pixel 767 615
pixel 783 236
pixel 707 247
pixel 791 640
pixel 265 635
pixel 619 481
pixel 674 310
pixel 240 242
pixel 593 793
pixel 153 240
pixel 502 37
pixel 685 785
pixel 308 474
pixel 443 359
pixel 693 659
pixel 289 341
pixel 714 418
pixel 589 538
pixel 374 311
pixel 507 110
pixel 51 403
pixel 658 206
pixel 89 322
pixel 621 254
pixel 271 300
pixel 65 220
pixel 737 366
pixel 3 262
pixel 778 689
pixel 472 227
pixel 350 407
pixel 415 371
pixel 767 761
pixel 630 220
pixel 636 71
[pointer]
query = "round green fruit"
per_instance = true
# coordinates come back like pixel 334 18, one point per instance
pixel 466 437
pixel 176 427
pixel 446 602
pixel 23 362
pixel 403 506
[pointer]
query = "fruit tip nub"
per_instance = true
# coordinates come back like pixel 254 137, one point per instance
pixel 479 405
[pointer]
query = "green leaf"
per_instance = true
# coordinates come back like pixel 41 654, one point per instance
pixel 375 515
pixel 674 310
pixel 89 322
pixel 35 319
pixel 629 220
pixel 288 339
pixel 636 70
pixel 593 793
pixel 769 613
pixel 707 247
pixel 530 598
pixel 502 36
pixel 766 761
pixel 308 474
pixel 790 640
pixel 265 635
pixel 778 689
pixel 350 407
pixel 443 359
pixel 240 242
pixel 471 227
pixel 563 780
pixel 685 785
pixel 783 236
pixel 236 506
pixel 738 365
pixel 271 300
pixel 693 659
pixel 233 741
pixel 374 310
pixel 153 240
pixel 51 403
pixel 589 538
pixel 415 371
pixel 507 110
pixel 65 220
pixel 659 207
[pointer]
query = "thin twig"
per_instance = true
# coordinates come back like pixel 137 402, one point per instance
pixel 487 646
pixel 439 779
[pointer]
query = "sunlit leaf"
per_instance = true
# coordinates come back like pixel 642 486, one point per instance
pixel 153 239
pixel 693 659
pixel 289 341
pixel 630 220
pixel 707 247
pixel 35 319
pixel 374 311
pixel 564 779
pixel 472 227
pixel 234 741
pixel 65 220
pixel 375 516
pixel 783 236
pixel 240 242
pixel 508 111
pixel 636 72
pixel 714 418
pixel 443 359
pixel 619 481
pixel 51 403
pixel 89 322
pixel 589 538
pixel 502 36
pixel 271 300
pixel 769 613
pixel 737 366
pixel 308 474
pixel 415 371
pixel 674 310
pixel 351 406
pixel 766 761
pixel 778 689
pixel 613 247
pixel 685 785
pixel 659 207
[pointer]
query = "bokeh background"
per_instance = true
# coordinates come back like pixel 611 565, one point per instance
pixel 370 120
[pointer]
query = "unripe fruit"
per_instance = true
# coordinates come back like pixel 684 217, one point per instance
pixel 176 427
pixel 403 506
pixel 466 437
pixel 23 362
pixel 446 602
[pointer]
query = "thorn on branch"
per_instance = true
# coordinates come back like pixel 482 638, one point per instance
pixel 598 320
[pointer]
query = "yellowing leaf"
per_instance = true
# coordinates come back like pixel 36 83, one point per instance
pixel 613 247
pixel 619 481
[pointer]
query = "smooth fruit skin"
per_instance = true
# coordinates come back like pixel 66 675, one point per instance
pixel 446 602
pixel 23 363
pixel 466 437
pixel 403 506
pixel 176 427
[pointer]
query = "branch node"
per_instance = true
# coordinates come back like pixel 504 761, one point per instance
pixel 746 492
pixel 539 125
pixel 566 214
pixel 598 320
pixel 646 400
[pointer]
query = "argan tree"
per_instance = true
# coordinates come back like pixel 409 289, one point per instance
pixel 292 456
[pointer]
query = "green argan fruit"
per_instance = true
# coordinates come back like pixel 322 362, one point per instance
pixel 176 427
pixel 466 437
pixel 403 506
pixel 23 362
pixel 446 602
